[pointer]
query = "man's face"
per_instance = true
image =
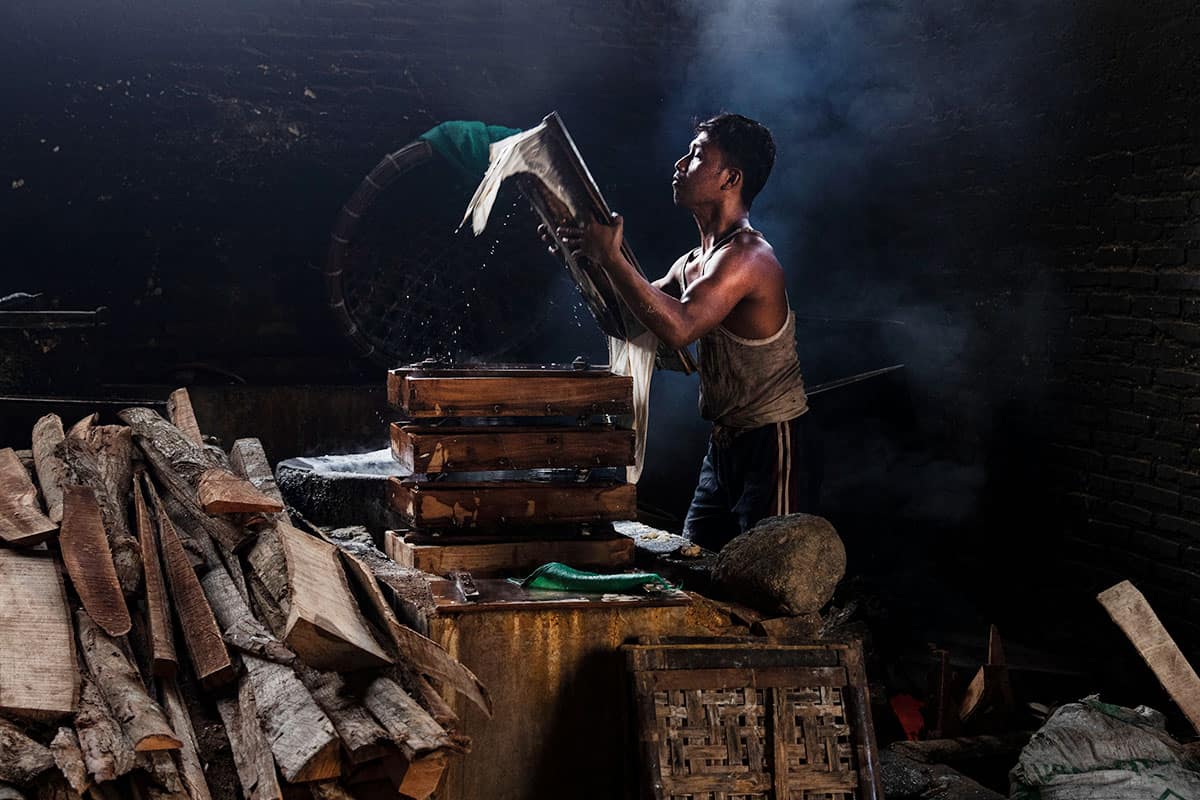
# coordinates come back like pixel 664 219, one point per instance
pixel 699 174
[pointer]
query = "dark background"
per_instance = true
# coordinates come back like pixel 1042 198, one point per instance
pixel 1003 196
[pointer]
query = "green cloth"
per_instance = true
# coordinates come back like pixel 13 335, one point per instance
pixel 559 577
pixel 465 143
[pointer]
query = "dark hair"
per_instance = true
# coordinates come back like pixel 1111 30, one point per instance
pixel 747 145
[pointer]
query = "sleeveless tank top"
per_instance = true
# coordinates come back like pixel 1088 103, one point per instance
pixel 748 383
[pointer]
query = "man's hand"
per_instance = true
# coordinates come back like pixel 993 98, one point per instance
pixel 597 242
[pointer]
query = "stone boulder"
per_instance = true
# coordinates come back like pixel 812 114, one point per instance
pixel 787 565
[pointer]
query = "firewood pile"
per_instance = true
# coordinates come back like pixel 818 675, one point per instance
pixel 150 581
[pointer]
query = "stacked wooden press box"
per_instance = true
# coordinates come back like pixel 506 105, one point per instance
pixel 530 438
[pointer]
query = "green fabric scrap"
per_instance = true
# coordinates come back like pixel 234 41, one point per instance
pixel 464 143
pixel 559 577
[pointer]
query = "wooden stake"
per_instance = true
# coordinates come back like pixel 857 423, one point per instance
pixel 210 658
pixel 142 718
pixel 51 472
pixel 179 409
pixel 89 561
pixel 22 523
pixel 1134 616
pixel 39 673
pixel 164 662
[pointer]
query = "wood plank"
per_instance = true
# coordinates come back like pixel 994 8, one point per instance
pixel 39 674
pixel 51 472
pixel 1130 610
pixel 163 660
pixel 506 559
pixel 178 463
pixel 89 561
pixel 141 718
pixel 525 396
pixel 482 448
pixel 183 416
pixel 443 504
pixel 209 656
pixel 21 758
pixel 100 459
pixel 22 523
pixel 324 626
pixel 221 492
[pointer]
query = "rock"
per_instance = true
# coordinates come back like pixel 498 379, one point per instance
pixel 783 565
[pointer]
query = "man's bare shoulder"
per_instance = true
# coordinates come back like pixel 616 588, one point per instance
pixel 749 253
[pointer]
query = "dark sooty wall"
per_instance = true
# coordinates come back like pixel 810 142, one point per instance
pixel 1003 196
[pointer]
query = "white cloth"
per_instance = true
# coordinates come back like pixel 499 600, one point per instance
pixel 636 358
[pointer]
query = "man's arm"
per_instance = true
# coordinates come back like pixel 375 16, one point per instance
pixel 705 304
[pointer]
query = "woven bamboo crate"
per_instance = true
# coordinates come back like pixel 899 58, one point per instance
pixel 743 719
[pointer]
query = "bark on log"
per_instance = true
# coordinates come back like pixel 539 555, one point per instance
pixel 179 409
pixel 431 700
pixel 409 725
pixel 191 770
pixel 362 737
pixel 248 459
pixel 107 752
pixel 164 662
pixel 206 648
pixel 141 718
pixel 69 758
pixel 86 555
pixel 159 767
pixel 51 472
pixel 22 523
pixel 300 736
pixel 21 758
pixel 10 793
pixel 39 672
pixel 178 463
pixel 84 425
pixel 251 753
pixel 84 467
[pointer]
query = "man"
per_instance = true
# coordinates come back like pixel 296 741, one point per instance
pixel 730 295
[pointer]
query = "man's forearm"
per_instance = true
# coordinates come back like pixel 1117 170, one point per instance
pixel 658 311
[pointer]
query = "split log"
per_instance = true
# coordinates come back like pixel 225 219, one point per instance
pixel 80 428
pixel 107 752
pixel 179 409
pixel 251 753
pixel 324 624
pixel 178 463
pixel 432 701
pixel 362 737
pixel 299 734
pixel 1137 620
pixel 164 662
pixel 69 758
pixel 21 758
pixel 248 459
pixel 410 587
pixel 103 474
pixel 160 767
pixel 51 472
pixel 206 648
pixel 409 725
pixel 422 777
pixel 10 793
pixel 222 492
pixel 191 771
pixel 22 522
pixel 86 555
pixel 39 673
pixel 141 718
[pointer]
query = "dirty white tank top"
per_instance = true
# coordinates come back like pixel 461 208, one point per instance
pixel 748 383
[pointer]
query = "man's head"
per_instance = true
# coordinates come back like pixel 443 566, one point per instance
pixel 729 153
